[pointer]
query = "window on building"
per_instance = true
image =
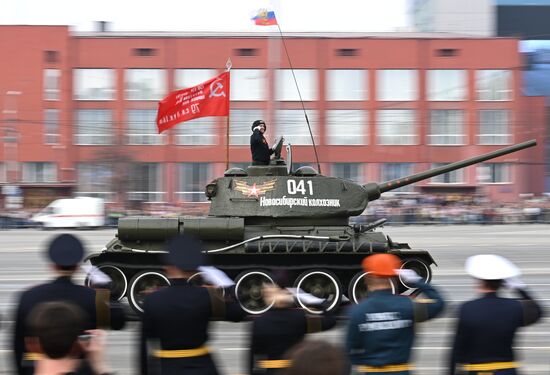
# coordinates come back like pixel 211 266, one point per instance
pixel 347 127
pixel 246 52
pixel 51 84
pixel 95 180
pixel 454 177
pixel 286 86
pixel 494 173
pixel 39 172
pixel 192 179
pixel 347 84
pixel 348 171
pixel 291 123
pixel 248 84
pixel 494 84
pixel 142 128
pixel 94 84
pixel 144 52
pixel 185 78
pixel 396 127
pixel 396 85
pixel 346 52
pixel 94 127
pixel 146 182
pixel 447 127
pixel 145 84
pixel 392 171
pixel 447 85
pixel 3 174
pixel 240 125
pixel 198 132
pixel 51 126
pixel 51 57
pixel 494 127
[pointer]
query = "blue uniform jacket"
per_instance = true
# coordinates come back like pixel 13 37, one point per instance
pixel 381 327
pixel 487 326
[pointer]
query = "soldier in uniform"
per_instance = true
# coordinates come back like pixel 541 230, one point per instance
pixel 65 252
pixel 175 319
pixel 258 145
pixel 487 326
pixel 279 329
pixel 381 327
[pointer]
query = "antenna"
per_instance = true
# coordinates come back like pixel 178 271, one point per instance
pixel 300 95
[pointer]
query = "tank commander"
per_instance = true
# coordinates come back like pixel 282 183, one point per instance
pixel 381 327
pixel 487 326
pixel 66 253
pixel 259 148
pixel 175 318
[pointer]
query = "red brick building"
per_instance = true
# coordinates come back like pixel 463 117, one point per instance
pixel 78 110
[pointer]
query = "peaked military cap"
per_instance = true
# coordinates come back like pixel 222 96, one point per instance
pixel 491 267
pixel 185 253
pixel 66 250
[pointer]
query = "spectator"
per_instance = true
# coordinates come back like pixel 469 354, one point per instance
pixel 316 358
pixel 65 252
pixel 55 328
pixel 381 328
pixel 280 328
pixel 487 326
pixel 176 318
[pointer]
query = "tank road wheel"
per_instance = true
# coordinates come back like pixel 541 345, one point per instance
pixel 143 284
pixel 320 284
pixel 418 266
pixel 119 283
pixel 248 290
pixel 357 289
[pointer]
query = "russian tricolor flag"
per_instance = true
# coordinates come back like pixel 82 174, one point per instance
pixel 265 18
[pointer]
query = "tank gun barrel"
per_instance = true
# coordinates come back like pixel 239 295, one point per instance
pixel 374 190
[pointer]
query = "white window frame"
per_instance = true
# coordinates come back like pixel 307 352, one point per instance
pixel 93 139
pixel 249 84
pixel 82 79
pixel 459 174
pixel 180 194
pixel 143 139
pixel 339 89
pixel 347 127
pixel 285 86
pixel 437 80
pixel 506 137
pixel 410 92
pixel 51 175
pixel 157 93
pixel 461 137
pixel 207 135
pixel 52 78
pixel 240 125
pixel 499 96
pixel 404 139
pixel 51 138
pixel 295 119
pixel 487 169
pixel 185 78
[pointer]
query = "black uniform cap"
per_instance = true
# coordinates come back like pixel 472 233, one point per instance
pixel 66 250
pixel 185 253
pixel 258 123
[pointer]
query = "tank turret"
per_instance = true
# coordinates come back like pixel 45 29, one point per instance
pixel 269 217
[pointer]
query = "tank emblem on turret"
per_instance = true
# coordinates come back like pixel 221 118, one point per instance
pixel 256 189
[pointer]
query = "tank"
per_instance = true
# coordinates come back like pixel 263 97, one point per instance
pixel 267 218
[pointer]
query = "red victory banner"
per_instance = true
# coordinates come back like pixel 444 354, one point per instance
pixel 210 98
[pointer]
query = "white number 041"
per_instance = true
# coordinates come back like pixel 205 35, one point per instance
pixel 294 187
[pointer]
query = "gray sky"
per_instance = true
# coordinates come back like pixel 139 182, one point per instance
pixel 209 15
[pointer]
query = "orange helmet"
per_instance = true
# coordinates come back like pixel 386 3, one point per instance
pixel 382 265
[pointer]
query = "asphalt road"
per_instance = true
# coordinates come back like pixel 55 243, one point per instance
pixel 22 264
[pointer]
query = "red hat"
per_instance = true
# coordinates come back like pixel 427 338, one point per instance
pixel 382 265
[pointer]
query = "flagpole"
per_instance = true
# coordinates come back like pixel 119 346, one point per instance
pixel 227 68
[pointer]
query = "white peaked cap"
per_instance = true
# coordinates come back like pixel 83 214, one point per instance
pixel 491 267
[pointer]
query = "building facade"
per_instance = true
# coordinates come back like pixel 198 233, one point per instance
pixel 79 111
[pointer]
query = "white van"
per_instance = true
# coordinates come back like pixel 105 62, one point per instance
pixel 80 212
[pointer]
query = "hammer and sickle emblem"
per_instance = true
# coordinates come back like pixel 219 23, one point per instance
pixel 216 89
